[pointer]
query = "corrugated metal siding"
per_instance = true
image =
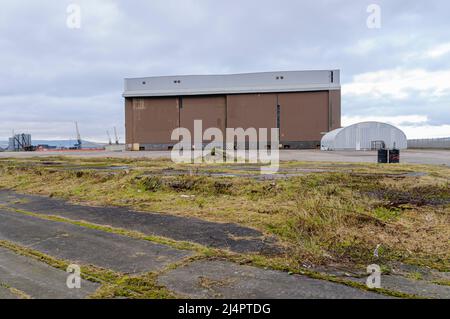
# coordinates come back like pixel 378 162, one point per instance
pixel 303 116
pixel 360 137
pixel 129 125
pixel 154 119
pixel 431 143
pixel 252 110
pixel 335 100
pixel 209 109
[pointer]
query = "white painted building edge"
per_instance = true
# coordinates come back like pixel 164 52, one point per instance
pixel 267 82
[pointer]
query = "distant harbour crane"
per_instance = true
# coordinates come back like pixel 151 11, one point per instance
pixel 79 143
pixel 117 136
pixel 109 138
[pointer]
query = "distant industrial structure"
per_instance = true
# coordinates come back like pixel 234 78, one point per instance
pixel 365 136
pixel 20 142
pixel 301 104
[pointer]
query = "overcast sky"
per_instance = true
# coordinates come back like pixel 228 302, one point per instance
pixel 52 75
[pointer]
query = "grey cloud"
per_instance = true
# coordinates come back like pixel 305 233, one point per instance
pixel 78 74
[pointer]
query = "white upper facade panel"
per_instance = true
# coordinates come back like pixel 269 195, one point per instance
pixel 268 82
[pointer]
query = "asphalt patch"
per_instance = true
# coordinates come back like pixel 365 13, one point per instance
pixel 86 246
pixel 217 235
pixel 223 280
pixel 37 280
pixel 421 288
pixel 6 294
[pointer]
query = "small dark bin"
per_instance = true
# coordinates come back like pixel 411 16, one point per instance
pixel 383 156
pixel 388 156
pixel 394 156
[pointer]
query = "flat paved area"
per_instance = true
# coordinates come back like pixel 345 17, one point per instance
pixel 37 280
pixel 204 279
pixel 5 293
pixel 434 157
pixel 197 279
pixel 222 279
pixel 413 287
pixel 218 235
pixel 86 246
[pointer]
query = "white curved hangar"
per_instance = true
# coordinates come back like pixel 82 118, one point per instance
pixel 365 136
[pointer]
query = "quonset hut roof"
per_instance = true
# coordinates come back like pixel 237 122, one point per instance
pixel 267 82
pixel 361 136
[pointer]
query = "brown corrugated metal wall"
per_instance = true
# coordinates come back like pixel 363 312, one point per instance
pixel 303 115
pixel 129 124
pixel 210 109
pixel 153 120
pixel 335 100
pixel 252 110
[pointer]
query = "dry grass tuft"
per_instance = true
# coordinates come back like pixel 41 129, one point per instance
pixel 339 214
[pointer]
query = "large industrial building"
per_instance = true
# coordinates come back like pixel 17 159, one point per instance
pixel 304 105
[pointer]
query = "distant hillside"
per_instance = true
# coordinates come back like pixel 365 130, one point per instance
pixel 58 143
pixel 67 143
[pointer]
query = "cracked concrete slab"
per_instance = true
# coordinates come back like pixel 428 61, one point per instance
pixel 37 279
pixel 419 288
pixel 218 235
pixel 86 246
pixel 6 294
pixel 223 279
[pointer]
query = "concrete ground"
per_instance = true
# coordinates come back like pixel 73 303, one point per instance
pixel 222 279
pixel 26 277
pixel 33 279
pixel 435 157
pixel 84 245
pixel 6 294
pixel 218 235
pixel 22 276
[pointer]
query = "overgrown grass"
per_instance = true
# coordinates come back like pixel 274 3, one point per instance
pixel 113 284
pixel 15 292
pixel 339 215
pixel 145 286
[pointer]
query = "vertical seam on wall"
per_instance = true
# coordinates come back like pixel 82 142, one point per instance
pixel 131 113
pixel 133 126
pixel 330 110
pixel 278 117
pixel 180 106
pixel 226 114
pixel 226 123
